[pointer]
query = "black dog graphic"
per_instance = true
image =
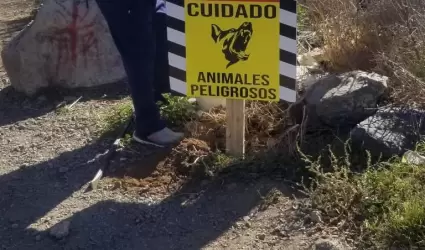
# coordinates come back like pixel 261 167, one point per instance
pixel 233 42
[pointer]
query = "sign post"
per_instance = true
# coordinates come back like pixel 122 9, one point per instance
pixel 232 52
pixel 235 129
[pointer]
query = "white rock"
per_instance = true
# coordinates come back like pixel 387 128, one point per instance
pixel 67 44
pixel 311 58
pixel 413 157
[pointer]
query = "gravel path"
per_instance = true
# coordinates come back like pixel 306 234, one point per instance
pixel 46 163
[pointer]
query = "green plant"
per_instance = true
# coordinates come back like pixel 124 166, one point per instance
pixel 178 110
pixel 126 140
pixel 383 206
pixel 117 116
pixel 302 16
pixel 62 110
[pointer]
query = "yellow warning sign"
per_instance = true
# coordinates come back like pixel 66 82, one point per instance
pixel 232 49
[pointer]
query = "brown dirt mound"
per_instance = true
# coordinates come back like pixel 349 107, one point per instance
pixel 166 170
pixel 161 173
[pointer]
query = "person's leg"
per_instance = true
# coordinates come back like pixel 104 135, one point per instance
pixel 143 36
pixel 134 40
pixel 161 77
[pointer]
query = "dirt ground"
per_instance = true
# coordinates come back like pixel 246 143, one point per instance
pixel 47 157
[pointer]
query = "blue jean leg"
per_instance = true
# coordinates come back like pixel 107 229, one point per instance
pixel 131 26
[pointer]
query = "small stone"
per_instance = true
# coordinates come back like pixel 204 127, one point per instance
pixel 87 131
pixel 232 186
pixel 63 169
pixel 413 157
pixel 41 98
pixel 279 232
pixel 261 236
pixel 192 100
pixel 328 245
pixel 316 216
pixel 204 183
pixel 246 218
pixel 15 225
pixel 238 224
pixel 60 230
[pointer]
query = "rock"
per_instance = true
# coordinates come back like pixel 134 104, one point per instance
pixel 15 225
pixel 389 132
pixel 309 69
pixel 306 78
pixel 261 236
pixel 67 44
pixel 413 157
pixel 345 99
pixel 312 59
pixel 316 216
pixel 324 244
pixel 278 231
pixel 60 230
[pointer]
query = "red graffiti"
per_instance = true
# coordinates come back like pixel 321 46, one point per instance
pixel 77 39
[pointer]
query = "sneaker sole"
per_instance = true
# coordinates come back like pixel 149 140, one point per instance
pixel 146 142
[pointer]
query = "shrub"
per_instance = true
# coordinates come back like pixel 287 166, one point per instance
pixel 384 36
pixel 383 206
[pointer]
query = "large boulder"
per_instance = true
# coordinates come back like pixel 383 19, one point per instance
pixel 68 44
pixel 390 131
pixel 342 100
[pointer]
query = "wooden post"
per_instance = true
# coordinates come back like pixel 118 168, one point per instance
pixel 235 130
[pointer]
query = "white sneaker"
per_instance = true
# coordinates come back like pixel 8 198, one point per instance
pixel 160 138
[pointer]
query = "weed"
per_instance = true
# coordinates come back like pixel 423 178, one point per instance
pixel 383 206
pixel 302 16
pixel 217 161
pixel 62 110
pixel 178 110
pixel 126 140
pixel 117 116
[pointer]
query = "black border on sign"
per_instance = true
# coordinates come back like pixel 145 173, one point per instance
pixel 284 56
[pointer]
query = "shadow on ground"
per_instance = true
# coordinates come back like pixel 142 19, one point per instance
pixel 190 219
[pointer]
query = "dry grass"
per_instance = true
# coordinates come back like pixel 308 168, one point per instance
pixel 386 36
pixel 267 126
